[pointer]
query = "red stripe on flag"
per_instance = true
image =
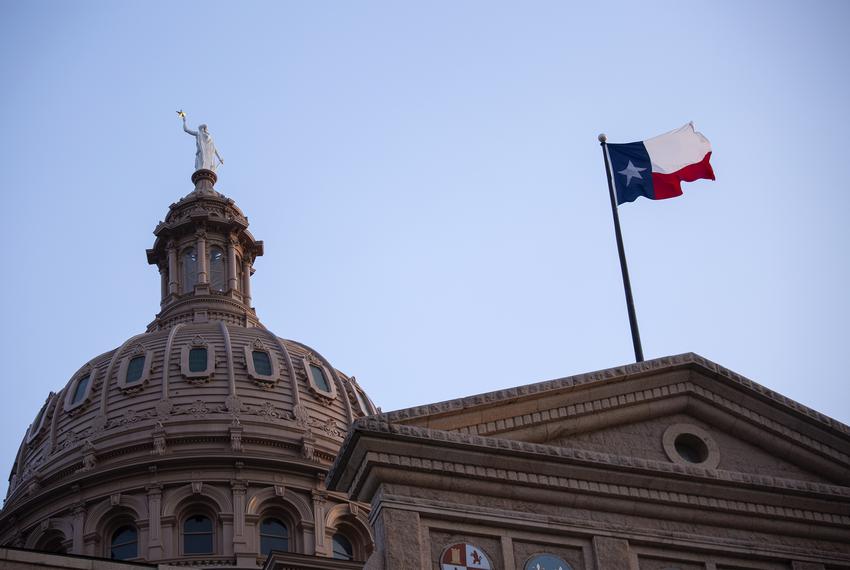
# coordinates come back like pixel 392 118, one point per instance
pixel 670 185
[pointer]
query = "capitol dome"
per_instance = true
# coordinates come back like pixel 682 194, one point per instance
pixel 204 440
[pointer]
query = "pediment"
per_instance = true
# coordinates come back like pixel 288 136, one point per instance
pixel 641 412
pixel 686 439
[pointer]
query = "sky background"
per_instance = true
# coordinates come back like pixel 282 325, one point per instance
pixel 428 185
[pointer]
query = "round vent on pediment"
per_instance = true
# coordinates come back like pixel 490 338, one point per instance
pixel 687 444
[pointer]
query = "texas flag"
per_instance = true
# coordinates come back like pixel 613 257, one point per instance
pixel 656 167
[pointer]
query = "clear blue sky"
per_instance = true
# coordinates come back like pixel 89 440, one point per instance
pixel 428 185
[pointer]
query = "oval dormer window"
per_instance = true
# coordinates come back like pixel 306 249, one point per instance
pixel 262 362
pixel 217 281
pixel 134 369
pixel 39 421
pixel 361 401
pixel 319 378
pixel 81 389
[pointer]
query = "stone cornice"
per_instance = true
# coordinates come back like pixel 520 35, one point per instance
pixel 523 478
pixel 594 406
pixel 489 445
pixel 620 373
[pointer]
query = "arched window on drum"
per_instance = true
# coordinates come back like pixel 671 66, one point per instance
pixel 189 272
pixel 218 278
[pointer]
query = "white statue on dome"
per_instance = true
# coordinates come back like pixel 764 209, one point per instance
pixel 206 152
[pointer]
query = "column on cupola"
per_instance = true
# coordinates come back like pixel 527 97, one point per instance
pixel 246 281
pixel 231 263
pixel 173 285
pixel 201 248
pixel 163 281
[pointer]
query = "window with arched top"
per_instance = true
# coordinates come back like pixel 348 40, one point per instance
pixel 218 281
pixel 189 261
pixel 52 542
pixel 125 543
pixel 198 535
pixel 342 547
pixel 274 535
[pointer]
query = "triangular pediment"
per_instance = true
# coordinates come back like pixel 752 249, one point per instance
pixel 681 410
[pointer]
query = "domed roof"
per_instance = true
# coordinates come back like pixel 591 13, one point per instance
pixel 250 390
pixel 207 393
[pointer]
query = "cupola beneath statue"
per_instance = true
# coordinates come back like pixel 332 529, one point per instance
pixel 205 255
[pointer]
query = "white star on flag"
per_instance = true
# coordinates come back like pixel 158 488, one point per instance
pixel 631 171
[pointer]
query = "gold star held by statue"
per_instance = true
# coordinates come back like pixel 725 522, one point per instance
pixel 181 114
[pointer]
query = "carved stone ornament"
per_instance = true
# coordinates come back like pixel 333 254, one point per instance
pixel 159 441
pixel 199 341
pixel 89 457
pixel 302 418
pixel 308 448
pixel 233 405
pixel 197 487
pixel 236 436
pixel 138 350
pixel 164 408
pixel 258 344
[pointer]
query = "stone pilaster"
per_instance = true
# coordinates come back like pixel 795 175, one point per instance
pixel 155 522
pixel 612 553
pixel 399 542
pixel 319 500
pixel 78 546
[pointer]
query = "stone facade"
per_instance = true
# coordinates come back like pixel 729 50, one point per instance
pixel 675 463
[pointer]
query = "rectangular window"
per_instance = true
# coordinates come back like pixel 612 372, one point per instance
pixel 262 363
pixel 135 369
pixel 197 360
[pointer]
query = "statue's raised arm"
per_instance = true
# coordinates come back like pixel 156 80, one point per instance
pixel 206 153
pixel 187 129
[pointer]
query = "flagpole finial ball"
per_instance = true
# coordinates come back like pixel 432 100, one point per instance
pixel 602 138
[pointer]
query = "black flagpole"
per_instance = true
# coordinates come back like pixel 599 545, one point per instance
pixel 630 303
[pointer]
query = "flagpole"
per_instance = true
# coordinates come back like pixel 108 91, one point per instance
pixel 627 285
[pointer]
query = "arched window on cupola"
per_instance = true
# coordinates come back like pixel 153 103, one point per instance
pixel 125 543
pixel 189 273
pixel 218 280
pixel 198 535
pixel 274 535
pixel 342 547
